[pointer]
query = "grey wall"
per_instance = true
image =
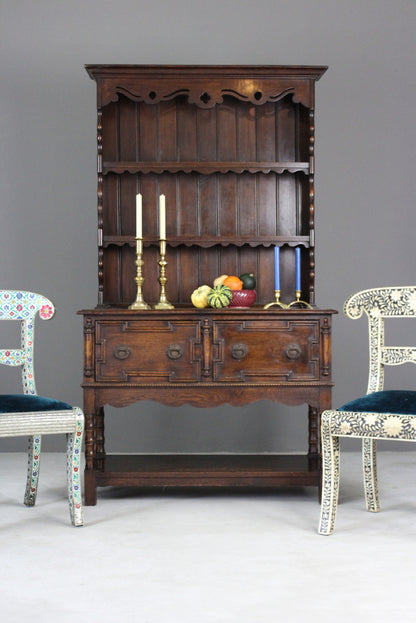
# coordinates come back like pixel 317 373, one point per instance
pixel 365 182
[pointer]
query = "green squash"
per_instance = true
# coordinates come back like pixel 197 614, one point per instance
pixel 220 296
pixel 249 281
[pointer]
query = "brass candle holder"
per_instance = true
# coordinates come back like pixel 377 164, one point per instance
pixel 276 302
pixel 139 303
pixel 298 302
pixel 279 303
pixel 163 301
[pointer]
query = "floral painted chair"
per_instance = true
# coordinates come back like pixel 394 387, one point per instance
pixel 33 415
pixel 377 415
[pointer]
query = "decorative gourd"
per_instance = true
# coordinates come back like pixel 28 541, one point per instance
pixel 220 296
pixel 220 280
pixel 249 281
pixel 199 297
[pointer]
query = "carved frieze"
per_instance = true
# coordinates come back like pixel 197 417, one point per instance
pixel 151 84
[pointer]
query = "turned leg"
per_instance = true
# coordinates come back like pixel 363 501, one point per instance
pixel 313 445
pixel 330 476
pixel 313 431
pixel 370 475
pixel 74 445
pixel 99 432
pixel 33 465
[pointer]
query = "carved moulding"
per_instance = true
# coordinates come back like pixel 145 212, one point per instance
pixel 204 167
pixel 257 91
pixel 197 394
pixel 204 97
pixel 191 241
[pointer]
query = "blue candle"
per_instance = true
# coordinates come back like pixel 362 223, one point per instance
pixel 297 256
pixel 277 268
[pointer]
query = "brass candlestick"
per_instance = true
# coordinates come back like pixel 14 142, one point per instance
pixel 163 301
pixel 139 303
pixel 299 302
pixel 276 302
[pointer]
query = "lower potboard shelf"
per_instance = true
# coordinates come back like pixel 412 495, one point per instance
pixel 203 470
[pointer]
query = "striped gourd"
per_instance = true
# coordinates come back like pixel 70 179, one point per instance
pixel 220 296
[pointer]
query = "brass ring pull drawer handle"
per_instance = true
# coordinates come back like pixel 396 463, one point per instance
pixel 239 351
pixel 293 351
pixel 174 351
pixel 122 351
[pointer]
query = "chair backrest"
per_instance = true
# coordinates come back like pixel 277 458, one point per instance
pixel 23 306
pixel 379 304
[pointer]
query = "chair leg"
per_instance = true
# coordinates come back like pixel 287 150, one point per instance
pixel 370 475
pixel 33 466
pixel 330 476
pixel 74 443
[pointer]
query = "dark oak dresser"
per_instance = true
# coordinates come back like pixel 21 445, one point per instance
pixel 232 150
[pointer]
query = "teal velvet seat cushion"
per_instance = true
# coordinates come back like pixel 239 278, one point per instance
pixel 402 402
pixel 20 403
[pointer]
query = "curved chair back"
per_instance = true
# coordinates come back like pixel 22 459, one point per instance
pixel 23 306
pixel 379 304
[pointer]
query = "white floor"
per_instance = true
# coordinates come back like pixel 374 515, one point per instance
pixel 199 558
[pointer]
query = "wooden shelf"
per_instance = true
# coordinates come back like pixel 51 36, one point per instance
pixel 291 241
pixel 204 167
pixel 208 470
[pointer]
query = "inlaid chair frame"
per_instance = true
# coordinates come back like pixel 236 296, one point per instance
pixel 379 414
pixel 33 415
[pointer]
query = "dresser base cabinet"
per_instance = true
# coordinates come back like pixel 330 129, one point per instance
pixel 204 358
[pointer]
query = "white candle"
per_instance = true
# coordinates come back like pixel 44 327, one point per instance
pixel 162 218
pixel 139 233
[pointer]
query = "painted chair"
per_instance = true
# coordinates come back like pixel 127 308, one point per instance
pixel 33 415
pixel 380 414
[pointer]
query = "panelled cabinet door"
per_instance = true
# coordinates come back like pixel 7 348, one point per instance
pixel 148 351
pixel 268 352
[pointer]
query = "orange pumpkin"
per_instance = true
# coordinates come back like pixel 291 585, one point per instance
pixel 233 282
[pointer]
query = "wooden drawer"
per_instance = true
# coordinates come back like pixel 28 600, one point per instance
pixel 266 352
pixel 148 351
